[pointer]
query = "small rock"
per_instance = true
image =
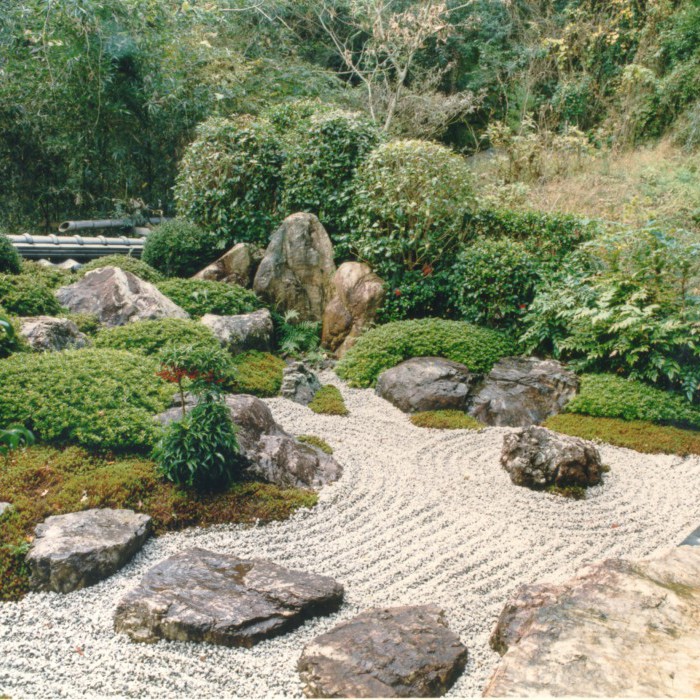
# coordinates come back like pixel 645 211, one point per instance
pixel 357 295
pixel 70 265
pixel 299 383
pixel 236 266
pixel 426 384
pixel 117 297
pixel 388 653
pixel 5 508
pixel 297 268
pixel 522 391
pixel 537 457
pixel 202 596
pixel 251 331
pixel 46 333
pixel 693 539
pixel 79 549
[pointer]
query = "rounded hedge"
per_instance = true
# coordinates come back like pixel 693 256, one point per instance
pixel 124 262
pixel 199 297
pixel 386 346
pixel 410 202
pixel 230 177
pixel 179 248
pixel 257 373
pixel 494 281
pixel 26 295
pixel 609 396
pixel 9 257
pixel 148 337
pixel 99 398
pixel 320 166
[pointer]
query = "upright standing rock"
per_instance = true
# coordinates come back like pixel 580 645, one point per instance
pixel 358 294
pixel 297 268
pixel 236 266
pixel 117 297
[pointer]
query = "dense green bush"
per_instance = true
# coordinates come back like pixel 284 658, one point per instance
pixel 178 248
pixel 411 294
pixel 9 257
pixel 494 281
pixel 25 295
pixel 257 373
pixel 230 177
pixel 148 337
pixel 50 276
pixel 320 165
pixel 609 396
pixel 625 303
pixel 410 204
pixel 549 236
pixel 386 346
pixel 10 338
pixel 199 297
pixel 96 397
pixel 140 268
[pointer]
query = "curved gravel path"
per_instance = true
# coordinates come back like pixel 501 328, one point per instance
pixel 420 516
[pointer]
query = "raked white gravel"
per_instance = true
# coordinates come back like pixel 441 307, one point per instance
pixel 420 516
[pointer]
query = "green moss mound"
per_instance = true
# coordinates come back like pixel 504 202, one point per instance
pixel 199 297
pixel 316 442
pixel 635 435
pixel 329 401
pixel 42 481
pixel 100 398
pixel 9 257
pixel 24 295
pixel 148 337
pixel 608 396
pixel 386 346
pixel 445 420
pixel 257 373
pixel 124 262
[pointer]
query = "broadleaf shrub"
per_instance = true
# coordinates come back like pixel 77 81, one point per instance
pixel 609 396
pixel 179 248
pixel 199 297
pixel 149 337
pixel 24 295
pixel 10 260
pixel 386 346
pixel 99 398
pixel 494 281
pixel 140 268
pixel 230 177
pixel 410 203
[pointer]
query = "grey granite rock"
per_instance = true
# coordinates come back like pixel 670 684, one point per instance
pixel 46 333
pixel 242 332
pixel 299 383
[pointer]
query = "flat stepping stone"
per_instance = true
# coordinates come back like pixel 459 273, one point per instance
pixel 386 652
pixel 79 549
pixel 202 596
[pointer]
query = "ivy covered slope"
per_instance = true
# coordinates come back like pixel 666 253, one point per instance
pixel 388 345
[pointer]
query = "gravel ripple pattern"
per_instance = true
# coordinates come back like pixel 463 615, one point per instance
pixel 420 516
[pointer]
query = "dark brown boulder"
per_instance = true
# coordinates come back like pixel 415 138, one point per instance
pixel 388 653
pixel 202 596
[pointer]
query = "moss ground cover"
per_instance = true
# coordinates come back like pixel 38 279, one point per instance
pixel 445 420
pixel 41 481
pixel 257 373
pixel 329 401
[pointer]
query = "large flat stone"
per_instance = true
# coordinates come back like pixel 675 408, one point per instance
pixel 392 652
pixel 201 596
pixel 618 629
pixel 79 549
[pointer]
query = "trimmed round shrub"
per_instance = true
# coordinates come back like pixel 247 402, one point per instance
pixel 257 373
pixel 494 281
pixel 609 396
pixel 10 260
pixel 386 346
pixel 230 177
pixel 25 295
pixel 124 262
pixel 320 165
pixel 409 206
pixel 51 277
pixel 148 337
pixel 179 248
pixel 99 398
pixel 199 297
